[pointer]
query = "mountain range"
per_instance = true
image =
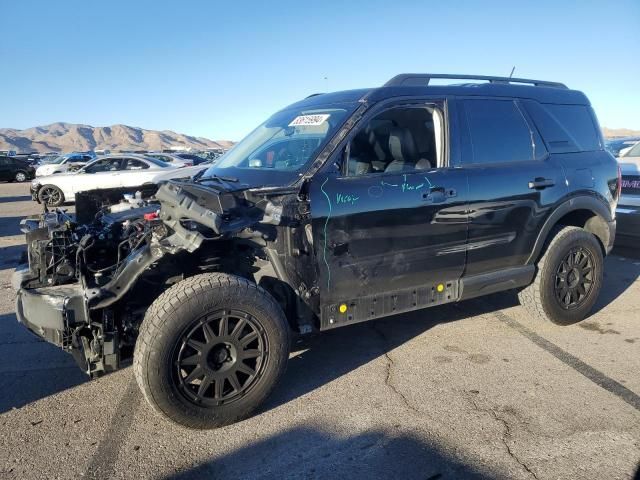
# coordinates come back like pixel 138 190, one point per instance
pixel 69 137
pixel 619 132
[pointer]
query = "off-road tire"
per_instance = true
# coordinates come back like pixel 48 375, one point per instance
pixel 44 195
pixel 20 176
pixel 174 313
pixel 540 298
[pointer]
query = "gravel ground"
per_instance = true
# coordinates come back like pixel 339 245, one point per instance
pixel 474 390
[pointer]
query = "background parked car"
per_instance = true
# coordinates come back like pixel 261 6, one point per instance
pixel 65 163
pixel 171 159
pixel 110 171
pixel 618 144
pixel 15 169
pixel 628 211
pixel 196 159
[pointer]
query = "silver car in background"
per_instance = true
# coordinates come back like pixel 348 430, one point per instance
pixel 628 211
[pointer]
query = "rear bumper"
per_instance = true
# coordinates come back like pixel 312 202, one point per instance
pixel 34 193
pixel 628 218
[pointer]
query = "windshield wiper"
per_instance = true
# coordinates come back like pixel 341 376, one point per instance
pixel 217 178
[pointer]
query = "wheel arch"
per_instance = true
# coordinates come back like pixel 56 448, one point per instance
pixel 584 212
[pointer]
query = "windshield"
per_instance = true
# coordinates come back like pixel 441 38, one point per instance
pixel 56 160
pixel 281 149
pixel 157 162
pixel 162 158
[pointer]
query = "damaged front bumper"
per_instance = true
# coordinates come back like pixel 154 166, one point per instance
pixel 50 312
pixel 58 314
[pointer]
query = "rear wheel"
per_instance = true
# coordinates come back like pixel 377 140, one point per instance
pixel 210 350
pixel 51 196
pixel 568 278
pixel 20 176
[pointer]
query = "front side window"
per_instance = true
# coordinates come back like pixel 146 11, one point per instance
pixel 400 139
pixel 105 165
pixel 499 133
pixel 282 148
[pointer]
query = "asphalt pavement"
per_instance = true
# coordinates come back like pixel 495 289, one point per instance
pixel 473 390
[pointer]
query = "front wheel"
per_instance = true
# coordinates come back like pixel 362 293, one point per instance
pixel 51 196
pixel 210 350
pixel 20 176
pixel 568 278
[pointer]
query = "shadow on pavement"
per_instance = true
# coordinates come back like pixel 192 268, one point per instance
pixel 10 256
pixel 620 272
pixel 15 198
pixel 10 226
pixel 312 453
pixel 333 354
pixel 31 369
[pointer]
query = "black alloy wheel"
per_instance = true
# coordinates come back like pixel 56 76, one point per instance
pixel 210 350
pixel 220 357
pixel 574 278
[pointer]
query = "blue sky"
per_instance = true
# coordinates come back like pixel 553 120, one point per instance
pixel 217 69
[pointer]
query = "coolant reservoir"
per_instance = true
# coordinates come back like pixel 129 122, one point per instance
pixel 121 207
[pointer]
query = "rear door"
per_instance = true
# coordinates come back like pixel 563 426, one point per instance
pixel 390 228
pixel 136 172
pixel 513 183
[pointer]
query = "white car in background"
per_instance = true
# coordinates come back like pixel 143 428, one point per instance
pixel 109 171
pixel 64 163
pixel 628 210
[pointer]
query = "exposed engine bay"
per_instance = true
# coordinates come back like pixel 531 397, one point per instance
pixel 91 276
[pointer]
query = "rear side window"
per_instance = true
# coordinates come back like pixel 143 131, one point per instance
pixel 578 122
pixel 499 133
pixel 565 128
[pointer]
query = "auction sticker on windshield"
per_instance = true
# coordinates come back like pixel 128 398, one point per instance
pixel 309 120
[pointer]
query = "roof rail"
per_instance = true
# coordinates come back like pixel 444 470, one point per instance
pixel 423 79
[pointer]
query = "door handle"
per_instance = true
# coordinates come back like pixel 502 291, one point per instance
pixel 439 194
pixel 339 248
pixel 540 183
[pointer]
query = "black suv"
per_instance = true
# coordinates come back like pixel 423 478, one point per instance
pixel 341 208
pixel 15 169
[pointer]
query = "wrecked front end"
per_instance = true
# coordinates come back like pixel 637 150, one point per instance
pixel 90 277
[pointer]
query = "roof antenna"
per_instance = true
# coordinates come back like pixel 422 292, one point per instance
pixel 512 70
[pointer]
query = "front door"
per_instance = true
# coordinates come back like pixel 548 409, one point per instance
pixel 390 230
pixel 104 173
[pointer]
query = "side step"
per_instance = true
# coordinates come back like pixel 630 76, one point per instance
pixel 375 306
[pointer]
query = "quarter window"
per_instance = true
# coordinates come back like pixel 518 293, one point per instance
pixel 498 133
pixel 133 164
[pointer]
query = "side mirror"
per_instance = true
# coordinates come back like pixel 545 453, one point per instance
pixel 255 163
